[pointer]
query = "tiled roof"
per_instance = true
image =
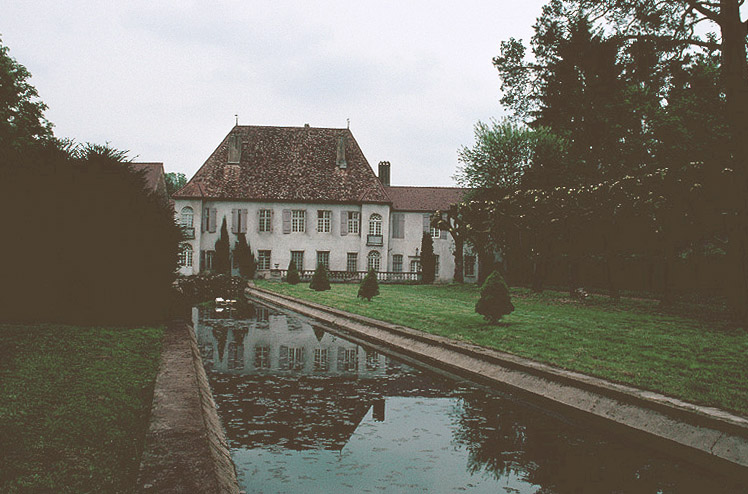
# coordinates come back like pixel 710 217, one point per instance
pixel 154 176
pixel 424 198
pixel 290 164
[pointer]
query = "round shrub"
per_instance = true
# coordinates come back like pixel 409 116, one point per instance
pixel 494 299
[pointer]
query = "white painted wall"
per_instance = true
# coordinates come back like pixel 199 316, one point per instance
pixel 281 244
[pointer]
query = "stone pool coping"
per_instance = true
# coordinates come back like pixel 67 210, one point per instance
pixel 699 432
pixel 185 448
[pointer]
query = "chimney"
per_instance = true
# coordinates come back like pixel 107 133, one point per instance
pixel 340 161
pixel 384 172
pixel 235 148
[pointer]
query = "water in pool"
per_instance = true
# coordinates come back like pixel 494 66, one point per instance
pixel 309 411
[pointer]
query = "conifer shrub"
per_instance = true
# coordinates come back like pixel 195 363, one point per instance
pixel 244 257
pixel 320 281
pixel 494 299
pixel 222 261
pixel 428 261
pixel 369 286
pixel 292 277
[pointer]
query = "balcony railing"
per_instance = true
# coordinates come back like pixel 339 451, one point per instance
pixel 374 240
pixel 188 232
pixel 356 276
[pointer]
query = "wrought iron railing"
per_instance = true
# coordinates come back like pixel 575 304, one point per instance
pixel 357 276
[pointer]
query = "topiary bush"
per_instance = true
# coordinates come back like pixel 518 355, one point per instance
pixel 320 282
pixel 369 286
pixel 428 261
pixel 292 278
pixel 494 299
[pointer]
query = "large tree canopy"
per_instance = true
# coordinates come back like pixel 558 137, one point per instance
pixel 22 119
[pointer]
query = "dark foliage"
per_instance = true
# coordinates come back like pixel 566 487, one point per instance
pixel 292 278
pixel 89 244
pixel 174 182
pixel 494 299
pixel 222 261
pixel 244 257
pixel 369 286
pixel 428 261
pixel 320 281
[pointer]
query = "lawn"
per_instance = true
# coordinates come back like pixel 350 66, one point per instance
pixel 74 406
pixel 692 354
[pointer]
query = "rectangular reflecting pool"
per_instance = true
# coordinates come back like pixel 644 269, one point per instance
pixel 308 411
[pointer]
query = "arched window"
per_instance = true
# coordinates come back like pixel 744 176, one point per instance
pixel 186 216
pixel 373 260
pixel 375 224
pixel 185 255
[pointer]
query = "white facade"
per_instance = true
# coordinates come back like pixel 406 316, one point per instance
pixel 340 245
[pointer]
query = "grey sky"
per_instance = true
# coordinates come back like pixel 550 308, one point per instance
pixel 164 79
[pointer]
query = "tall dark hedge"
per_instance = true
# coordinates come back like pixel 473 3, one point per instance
pixel 320 282
pixel 83 241
pixel 428 261
pixel 222 261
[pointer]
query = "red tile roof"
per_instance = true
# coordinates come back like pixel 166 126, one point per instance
pixel 424 198
pixel 290 164
pixel 154 176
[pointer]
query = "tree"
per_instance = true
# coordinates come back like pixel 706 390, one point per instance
pixel 428 261
pixel 369 287
pixel 22 121
pixel 494 301
pixel 222 261
pixel 292 275
pixel 320 282
pixel 244 257
pixel 672 27
pixel 174 182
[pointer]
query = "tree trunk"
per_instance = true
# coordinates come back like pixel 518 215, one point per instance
pixel 459 259
pixel 538 273
pixel 485 263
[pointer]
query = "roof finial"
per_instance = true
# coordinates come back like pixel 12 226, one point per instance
pixel 237 118
pixel 349 123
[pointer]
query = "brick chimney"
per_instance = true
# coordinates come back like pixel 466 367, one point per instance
pixel 384 172
pixel 235 148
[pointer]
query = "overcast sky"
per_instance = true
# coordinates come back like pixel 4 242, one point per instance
pixel 164 79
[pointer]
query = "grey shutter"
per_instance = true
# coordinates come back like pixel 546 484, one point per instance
pixel 306 221
pixel 258 220
pixel 212 220
pixel 243 220
pixel 426 223
pixel 272 215
pixel 286 221
pixel 398 225
pixel 401 221
pixel 283 357
pixel 341 359
pixel 205 219
pixel 344 222
pixel 234 221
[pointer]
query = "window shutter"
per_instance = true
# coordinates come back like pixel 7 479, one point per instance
pixel 303 356
pixel 344 222
pixel 306 221
pixel 234 221
pixel 202 260
pixel 443 234
pixel 272 215
pixel 401 221
pixel 283 357
pixel 286 221
pixel 243 220
pixel 212 222
pixel 426 223
pixel 341 359
pixel 258 221
pixel 205 218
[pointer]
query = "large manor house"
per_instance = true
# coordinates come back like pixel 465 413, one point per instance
pixel 309 195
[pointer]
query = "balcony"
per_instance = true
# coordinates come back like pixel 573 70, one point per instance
pixel 188 232
pixel 374 240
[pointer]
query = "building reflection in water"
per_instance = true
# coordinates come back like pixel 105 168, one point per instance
pixel 282 384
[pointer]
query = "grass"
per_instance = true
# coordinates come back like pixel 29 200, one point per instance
pixel 74 406
pixel 690 354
